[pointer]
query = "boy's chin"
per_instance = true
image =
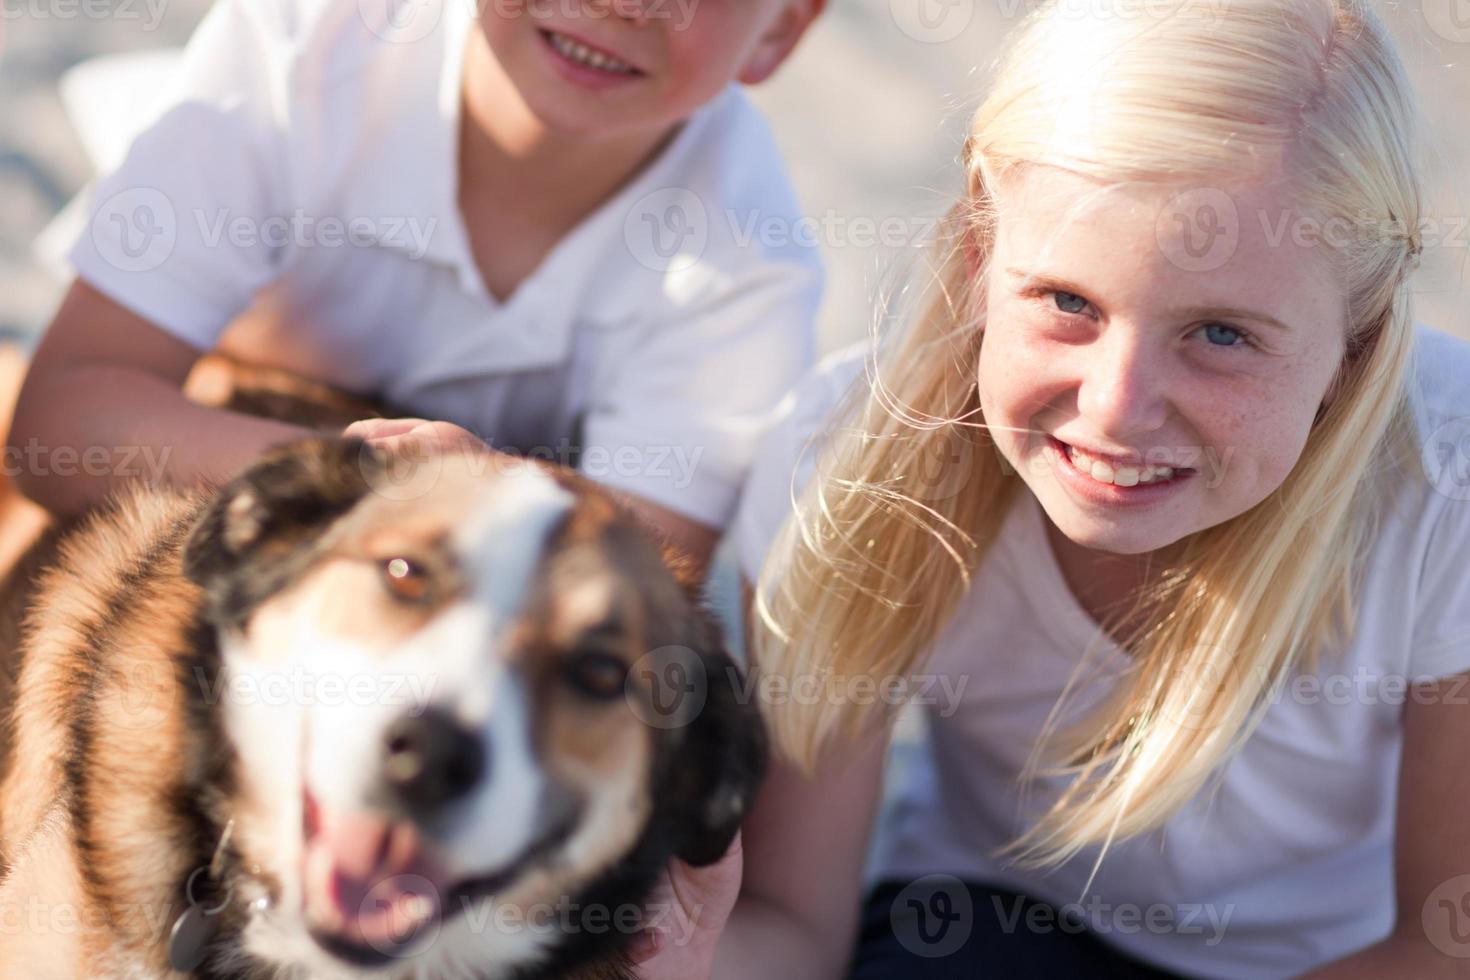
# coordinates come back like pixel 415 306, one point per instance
pixel 577 116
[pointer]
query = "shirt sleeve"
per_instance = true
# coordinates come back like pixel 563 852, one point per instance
pixel 787 457
pixel 180 231
pixel 1442 617
pixel 679 423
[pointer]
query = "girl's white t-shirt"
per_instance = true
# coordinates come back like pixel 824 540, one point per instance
pixel 1285 862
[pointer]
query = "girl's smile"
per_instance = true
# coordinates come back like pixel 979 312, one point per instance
pixel 1111 482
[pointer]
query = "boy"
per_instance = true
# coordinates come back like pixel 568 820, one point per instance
pixel 522 219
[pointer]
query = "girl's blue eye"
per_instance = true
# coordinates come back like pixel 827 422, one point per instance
pixel 1223 336
pixel 1069 302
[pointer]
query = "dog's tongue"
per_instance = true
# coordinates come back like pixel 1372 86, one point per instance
pixel 367 879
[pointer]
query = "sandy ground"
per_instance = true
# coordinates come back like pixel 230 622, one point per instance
pixel 870 113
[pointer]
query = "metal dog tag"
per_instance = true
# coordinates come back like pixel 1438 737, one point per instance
pixel 190 937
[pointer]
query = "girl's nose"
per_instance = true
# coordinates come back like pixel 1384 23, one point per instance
pixel 1122 392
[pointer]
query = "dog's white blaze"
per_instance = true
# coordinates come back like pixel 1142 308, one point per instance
pixel 506 536
pixel 501 543
pixel 501 819
pixel 456 651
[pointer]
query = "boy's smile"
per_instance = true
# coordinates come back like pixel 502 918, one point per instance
pixel 586 64
pixel 601 68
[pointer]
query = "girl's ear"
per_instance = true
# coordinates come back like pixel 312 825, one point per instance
pixel 780 40
pixel 971 249
pixel 974 272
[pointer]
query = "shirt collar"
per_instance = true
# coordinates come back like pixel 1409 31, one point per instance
pixel 410 169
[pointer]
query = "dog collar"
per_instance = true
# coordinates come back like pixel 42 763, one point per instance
pixel 196 927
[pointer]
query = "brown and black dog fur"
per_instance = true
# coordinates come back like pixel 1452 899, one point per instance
pixel 540 620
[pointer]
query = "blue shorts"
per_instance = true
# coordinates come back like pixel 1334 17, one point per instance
pixel 939 928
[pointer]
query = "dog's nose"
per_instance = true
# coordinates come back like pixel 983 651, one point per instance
pixel 431 760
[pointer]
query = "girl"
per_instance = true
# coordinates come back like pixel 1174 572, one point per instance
pixel 1165 486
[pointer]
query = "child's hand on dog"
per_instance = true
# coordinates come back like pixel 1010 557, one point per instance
pixel 691 906
pixel 417 436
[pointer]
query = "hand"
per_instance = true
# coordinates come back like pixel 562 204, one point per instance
pixel 691 906
pixel 416 436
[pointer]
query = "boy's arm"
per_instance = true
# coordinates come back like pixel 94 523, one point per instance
pixel 103 405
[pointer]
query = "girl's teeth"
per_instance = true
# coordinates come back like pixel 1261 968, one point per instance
pixel 1121 476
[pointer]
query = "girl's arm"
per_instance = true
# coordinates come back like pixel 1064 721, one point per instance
pixel 1431 937
pixel 103 405
pixel 804 844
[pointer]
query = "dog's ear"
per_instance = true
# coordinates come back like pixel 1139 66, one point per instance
pixel 291 494
pixel 719 764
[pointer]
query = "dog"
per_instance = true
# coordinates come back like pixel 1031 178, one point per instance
pixel 360 715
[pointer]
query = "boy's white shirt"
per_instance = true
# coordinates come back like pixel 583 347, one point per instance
pixel 1286 862
pixel 304 160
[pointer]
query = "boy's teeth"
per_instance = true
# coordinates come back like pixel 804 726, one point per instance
pixel 1122 476
pixel 584 55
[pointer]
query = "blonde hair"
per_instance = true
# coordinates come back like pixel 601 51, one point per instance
pixel 867 570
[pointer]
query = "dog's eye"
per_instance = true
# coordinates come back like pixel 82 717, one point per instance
pixel 596 675
pixel 404 579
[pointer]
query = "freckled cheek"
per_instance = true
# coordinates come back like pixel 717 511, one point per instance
pixel 1256 451
pixel 1283 446
pixel 1017 381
